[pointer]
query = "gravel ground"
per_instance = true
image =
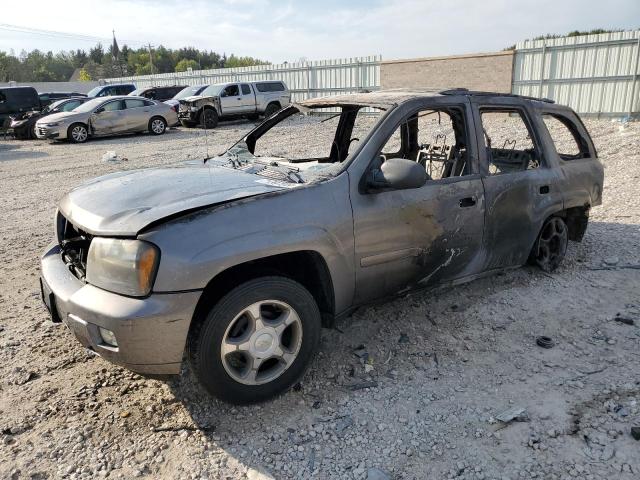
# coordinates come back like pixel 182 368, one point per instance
pixel 408 389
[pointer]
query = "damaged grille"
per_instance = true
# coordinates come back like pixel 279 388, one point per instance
pixel 74 244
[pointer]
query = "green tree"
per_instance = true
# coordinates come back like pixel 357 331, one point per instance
pixel 184 64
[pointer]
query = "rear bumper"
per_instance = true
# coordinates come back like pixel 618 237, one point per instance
pixel 151 332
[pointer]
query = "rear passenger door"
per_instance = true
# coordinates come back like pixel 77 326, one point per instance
pixel 520 184
pixel 573 150
pixel 137 114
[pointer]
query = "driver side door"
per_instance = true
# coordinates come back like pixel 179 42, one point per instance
pixel 109 118
pixel 419 236
pixel 231 100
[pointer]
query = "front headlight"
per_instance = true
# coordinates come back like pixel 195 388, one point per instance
pixel 193 109
pixel 122 266
pixel 53 124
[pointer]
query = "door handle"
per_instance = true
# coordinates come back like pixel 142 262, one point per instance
pixel 239 99
pixel 544 189
pixel 467 202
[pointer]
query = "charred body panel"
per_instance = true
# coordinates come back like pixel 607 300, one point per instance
pixel 359 234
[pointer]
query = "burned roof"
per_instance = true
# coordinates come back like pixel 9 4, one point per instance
pixel 388 98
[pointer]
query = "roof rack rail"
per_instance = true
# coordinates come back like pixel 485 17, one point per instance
pixel 466 91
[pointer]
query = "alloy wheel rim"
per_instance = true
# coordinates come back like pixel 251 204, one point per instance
pixel 261 342
pixel 79 133
pixel 157 126
pixel 552 244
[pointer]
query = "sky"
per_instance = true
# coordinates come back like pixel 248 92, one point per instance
pixel 278 31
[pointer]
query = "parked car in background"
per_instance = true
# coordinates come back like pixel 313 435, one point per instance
pixel 24 125
pixel 107 116
pixel 17 100
pixel 158 93
pixel 237 260
pixel 111 90
pixel 191 91
pixel 50 97
pixel 232 100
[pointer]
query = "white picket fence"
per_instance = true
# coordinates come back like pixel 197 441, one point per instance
pixel 305 80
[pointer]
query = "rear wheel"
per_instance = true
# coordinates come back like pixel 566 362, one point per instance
pixel 78 133
pixel 271 109
pixel 551 245
pixel 209 118
pixel 157 125
pixel 257 341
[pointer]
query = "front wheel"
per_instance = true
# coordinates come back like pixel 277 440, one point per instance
pixel 257 341
pixel 78 133
pixel 551 244
pixel 209 118
pixel 157 126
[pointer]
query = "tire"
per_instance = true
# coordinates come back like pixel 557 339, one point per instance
pixel 77 133
pixel 271 109
pixel 550 247
pixel 229 377
pixel 209 118
pixel 157 125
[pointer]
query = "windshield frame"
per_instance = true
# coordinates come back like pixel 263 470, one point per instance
pixel 294 108
pixel 86 106
pixel 215 89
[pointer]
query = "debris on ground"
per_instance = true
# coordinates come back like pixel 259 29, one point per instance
pixel 545 342
pixel 112 156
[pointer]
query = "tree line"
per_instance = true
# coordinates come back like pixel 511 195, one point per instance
pixel 98 62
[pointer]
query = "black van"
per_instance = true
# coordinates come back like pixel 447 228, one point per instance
pixel 14 100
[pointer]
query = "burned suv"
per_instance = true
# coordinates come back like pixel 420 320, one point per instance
pixel 330 204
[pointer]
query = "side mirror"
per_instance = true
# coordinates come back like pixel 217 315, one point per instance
pixel 223 93
pixel 100 110
pixel 397 174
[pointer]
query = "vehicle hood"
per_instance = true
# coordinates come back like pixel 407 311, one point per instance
pixel 59 117
pixel 124 203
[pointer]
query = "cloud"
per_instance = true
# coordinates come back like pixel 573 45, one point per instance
pixel 277 31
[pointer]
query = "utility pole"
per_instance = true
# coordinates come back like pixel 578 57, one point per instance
pixel 151 58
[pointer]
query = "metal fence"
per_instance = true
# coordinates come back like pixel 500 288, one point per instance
pixel 596 75
pixel 305 80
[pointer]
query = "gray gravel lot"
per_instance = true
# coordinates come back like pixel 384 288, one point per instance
pixel 408 389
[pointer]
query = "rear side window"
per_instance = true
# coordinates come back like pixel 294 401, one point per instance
pixel 246 90
pixel 508 142
pixel 568 143
pixel 134 103
pixel 270 87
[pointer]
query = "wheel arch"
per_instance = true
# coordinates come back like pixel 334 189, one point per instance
pixel 307 267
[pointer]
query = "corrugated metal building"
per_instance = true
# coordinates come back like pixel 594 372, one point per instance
pixel 596 75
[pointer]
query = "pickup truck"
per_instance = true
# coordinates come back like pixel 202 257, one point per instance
pixel 232 100
pixel 236 261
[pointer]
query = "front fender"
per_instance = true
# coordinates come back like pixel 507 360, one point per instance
pixel 199 246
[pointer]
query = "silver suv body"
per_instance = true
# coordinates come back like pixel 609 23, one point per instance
pixel 237 260
pixel 232 100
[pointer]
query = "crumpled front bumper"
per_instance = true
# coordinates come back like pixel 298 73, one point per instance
pixel 57 133
pixel 151 332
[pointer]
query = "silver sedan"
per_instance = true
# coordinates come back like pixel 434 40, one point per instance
pixel 107 116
